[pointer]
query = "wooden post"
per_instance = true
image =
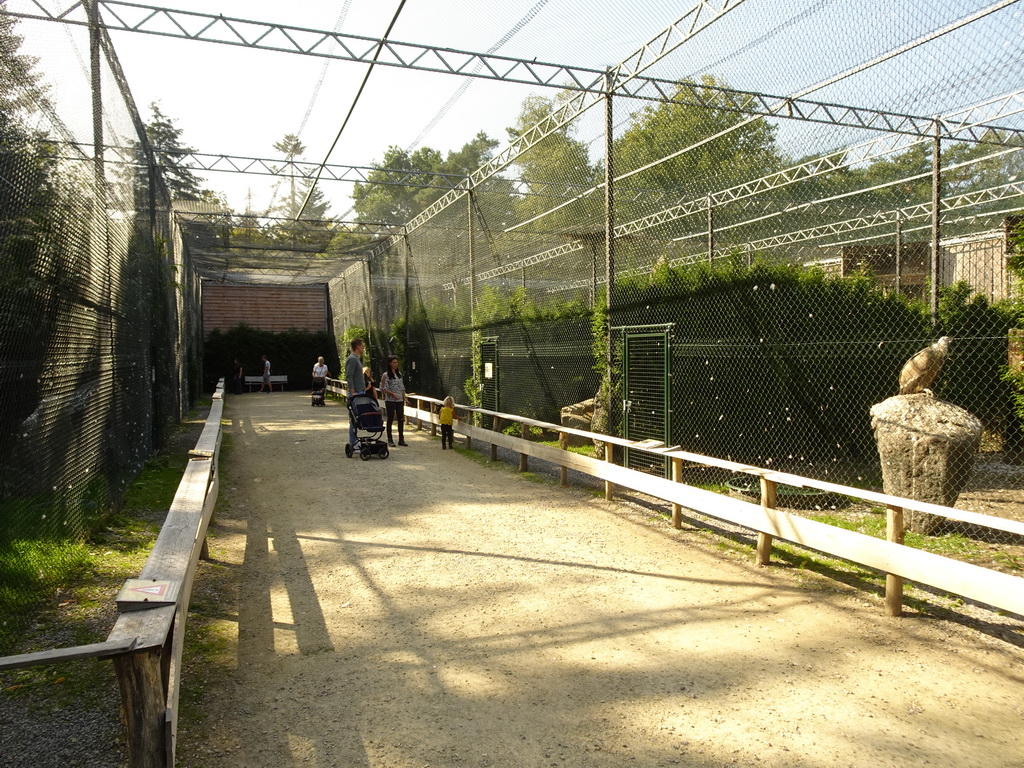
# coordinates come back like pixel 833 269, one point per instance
pixel 419 416
pixel 495 427
pixel 144 707
pixel 524 458
pixel 609 456
pixel 894 531
pixel 433 426
pixel 472 420
pixel 769 494
pixel 677 509
pixel 563 471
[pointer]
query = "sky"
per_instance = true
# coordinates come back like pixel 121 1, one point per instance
pixel 240 101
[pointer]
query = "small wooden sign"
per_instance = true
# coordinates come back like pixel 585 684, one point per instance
pixel 147 593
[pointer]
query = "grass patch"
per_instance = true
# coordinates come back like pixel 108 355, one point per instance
pixel 57 586
pixel 581 450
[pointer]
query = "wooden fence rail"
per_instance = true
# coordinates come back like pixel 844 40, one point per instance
pixel 145 643
pixel 889 555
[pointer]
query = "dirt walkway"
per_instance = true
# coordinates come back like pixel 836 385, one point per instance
pixel 427 610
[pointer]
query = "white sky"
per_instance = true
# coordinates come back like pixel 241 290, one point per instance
pixel 240 101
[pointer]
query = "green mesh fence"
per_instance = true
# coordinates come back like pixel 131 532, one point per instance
pixel 732 245
pixel 98 309
pixel 770 270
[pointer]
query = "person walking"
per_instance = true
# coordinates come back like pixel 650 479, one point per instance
pixel 355 383
pixel 393 388
pixel 447 419
pixel 320 369
pixel 239 376
pixel 266 386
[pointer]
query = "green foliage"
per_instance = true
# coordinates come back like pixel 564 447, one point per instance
pixel 397 340
pixel 29 569
pixel 743 149
pixel 381 199
pixel 973 375
pixel 557 163
pixel 166 140
pixel 113 543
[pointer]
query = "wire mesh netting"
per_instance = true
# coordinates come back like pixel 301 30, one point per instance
pixel 732 241
pixel 98 307
pixel 773 264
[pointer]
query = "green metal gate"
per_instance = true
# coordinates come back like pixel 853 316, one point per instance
pixel 646 396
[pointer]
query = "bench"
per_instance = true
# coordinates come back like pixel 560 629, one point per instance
pixel 278 380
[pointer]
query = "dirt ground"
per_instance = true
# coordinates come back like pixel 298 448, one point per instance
pixel 429 610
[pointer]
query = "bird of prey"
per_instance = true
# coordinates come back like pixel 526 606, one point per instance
pixel 923 368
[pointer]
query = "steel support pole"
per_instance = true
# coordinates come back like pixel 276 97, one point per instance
pixel 711 230
pixel 368 302
pixel 899 249
pixel 609 216
pixel 97 89
pixel 472 258
pixel 407 259
pixel 935 264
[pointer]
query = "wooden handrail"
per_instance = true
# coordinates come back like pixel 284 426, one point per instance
pixel 55 655
pixel 891 557
pixel 145 643
pixel 784 478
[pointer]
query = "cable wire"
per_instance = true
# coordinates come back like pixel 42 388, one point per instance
pixel 366 77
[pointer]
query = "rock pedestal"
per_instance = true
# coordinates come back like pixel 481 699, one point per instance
pixel 578 416
pixel 927 449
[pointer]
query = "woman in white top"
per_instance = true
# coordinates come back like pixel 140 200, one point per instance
pixel 393 389
pixel 320 369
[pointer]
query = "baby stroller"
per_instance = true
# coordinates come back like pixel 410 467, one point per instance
pixel 319 385
pixel 365 411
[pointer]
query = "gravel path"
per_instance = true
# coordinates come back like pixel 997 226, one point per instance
pixel 427 610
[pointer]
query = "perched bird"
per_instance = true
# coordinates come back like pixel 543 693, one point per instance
pixel 923 368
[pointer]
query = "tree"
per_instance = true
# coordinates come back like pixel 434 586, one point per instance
pixel 166 140
pixel 381 199
pixel 299 224
pixel 555 169
pixel 726 148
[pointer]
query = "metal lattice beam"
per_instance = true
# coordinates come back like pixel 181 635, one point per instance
pixel 249 221
pixel 697 18
pixel 875 219
pixel 888 218
pixel 628 82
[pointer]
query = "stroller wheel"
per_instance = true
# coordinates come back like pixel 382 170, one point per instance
pixel 384 452
pixel 364 455
pixel 348 451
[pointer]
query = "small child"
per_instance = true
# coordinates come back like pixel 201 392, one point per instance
pixel 446 420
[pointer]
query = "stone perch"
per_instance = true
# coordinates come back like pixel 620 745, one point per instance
pixel 927 449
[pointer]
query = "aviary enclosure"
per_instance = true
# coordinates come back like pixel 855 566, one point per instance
pixel 731 239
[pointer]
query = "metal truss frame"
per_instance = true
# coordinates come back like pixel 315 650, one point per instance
pixel 1009 104
pixel 590 87
pixel 626 78
pixel 361 174
pixel 702 15
pixel 878 218
pixel 239 221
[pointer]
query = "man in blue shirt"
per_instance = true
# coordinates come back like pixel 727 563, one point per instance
pixel 356 384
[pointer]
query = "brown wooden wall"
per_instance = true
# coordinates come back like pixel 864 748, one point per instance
pixel 269 308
